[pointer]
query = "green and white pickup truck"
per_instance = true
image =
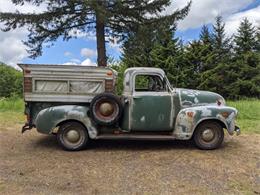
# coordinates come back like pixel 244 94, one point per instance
pixel 79 104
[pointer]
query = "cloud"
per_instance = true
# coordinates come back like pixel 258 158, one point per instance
pixel 91 36
pixel 205 11
pixel 233 21
pixel 12 50
pixel 88 62
pixel 70 63
pixel 8 6
pixel 86 52
pixel 75 60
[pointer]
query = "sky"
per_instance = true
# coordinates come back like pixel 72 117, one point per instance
pixel 82 50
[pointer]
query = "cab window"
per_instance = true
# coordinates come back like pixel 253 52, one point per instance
pixel 149 83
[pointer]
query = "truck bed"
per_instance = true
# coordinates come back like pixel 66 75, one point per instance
pixel 66 83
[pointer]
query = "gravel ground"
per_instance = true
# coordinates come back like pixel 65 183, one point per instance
pixel 34 164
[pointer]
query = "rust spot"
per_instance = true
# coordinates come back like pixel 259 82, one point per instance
pixel 27 84
pixel 190 114
pixel 27 71
pixel 225 114
pixel 109 87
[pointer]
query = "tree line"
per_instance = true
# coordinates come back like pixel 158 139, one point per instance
pixel 215 62
pixel 11 81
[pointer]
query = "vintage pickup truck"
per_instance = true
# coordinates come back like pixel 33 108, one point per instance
pixel 79 104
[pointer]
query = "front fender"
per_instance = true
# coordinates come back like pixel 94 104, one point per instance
pixel 189 118
pixel 49 118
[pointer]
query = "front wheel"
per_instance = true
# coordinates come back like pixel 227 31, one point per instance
pixel 208 135
pixel 72 136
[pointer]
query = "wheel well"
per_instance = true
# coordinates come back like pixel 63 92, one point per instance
pixel 66 121
pixel 215 120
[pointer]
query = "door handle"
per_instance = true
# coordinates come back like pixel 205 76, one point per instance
pixel 137 97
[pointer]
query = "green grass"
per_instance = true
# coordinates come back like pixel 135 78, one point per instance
pixel 11 104
pixel 248 114
pixel 11 112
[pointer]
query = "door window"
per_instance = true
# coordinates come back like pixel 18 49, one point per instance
pixel 149 83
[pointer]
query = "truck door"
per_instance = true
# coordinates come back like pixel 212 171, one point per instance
pixel 151 104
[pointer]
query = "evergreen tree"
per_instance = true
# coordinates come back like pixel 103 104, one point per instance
pixel 143 38
pixel 106 18
pixel 239 76
pixel 168 55
pixel 217 56
pixel 258 40
pixel 138 46
pixel 221 43
pixel 245 39
pixel 247 59
pixel 205 36
pixel 206 46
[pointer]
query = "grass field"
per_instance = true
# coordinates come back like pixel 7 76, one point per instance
pixel 248 115
pixel 11 111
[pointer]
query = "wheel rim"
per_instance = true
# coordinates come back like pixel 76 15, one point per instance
pixel 72 138
pixel 106 110
pixel 208 135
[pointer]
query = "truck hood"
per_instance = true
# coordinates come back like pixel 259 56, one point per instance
pixel 191 98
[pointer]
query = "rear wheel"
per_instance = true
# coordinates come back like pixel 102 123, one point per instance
pixel 72 136
pixel 208 135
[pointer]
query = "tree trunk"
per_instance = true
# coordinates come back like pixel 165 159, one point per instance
pixel 101 47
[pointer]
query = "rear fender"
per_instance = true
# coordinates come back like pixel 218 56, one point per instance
pixel 189 118
pixel 49 118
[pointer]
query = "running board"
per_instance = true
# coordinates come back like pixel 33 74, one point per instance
pixel 136 137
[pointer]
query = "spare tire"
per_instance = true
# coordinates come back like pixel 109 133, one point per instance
pixel 106 109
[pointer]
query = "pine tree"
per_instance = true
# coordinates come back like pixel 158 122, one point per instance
pixel 221 43
pixel 258 40
pixel 205 36
pixel 245 39
pixel 106 18
pixel 167 55
pixel 237 76
pixel 247 59
pixel 141 41
pixel 217 58
pixel 138 46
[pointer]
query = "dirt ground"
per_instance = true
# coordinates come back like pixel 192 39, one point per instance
pixel 34 164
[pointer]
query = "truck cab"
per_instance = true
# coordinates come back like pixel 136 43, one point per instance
pixel 149 107
pixel 149 100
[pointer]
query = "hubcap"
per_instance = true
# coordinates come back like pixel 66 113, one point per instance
pixel 73 136
pixel 106 109
pixel 207 135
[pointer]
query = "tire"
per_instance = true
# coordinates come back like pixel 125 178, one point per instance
pixel 72 136
pixel 208 135
pixel 106 109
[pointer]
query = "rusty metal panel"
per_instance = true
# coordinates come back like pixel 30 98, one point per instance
pixel 27 83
